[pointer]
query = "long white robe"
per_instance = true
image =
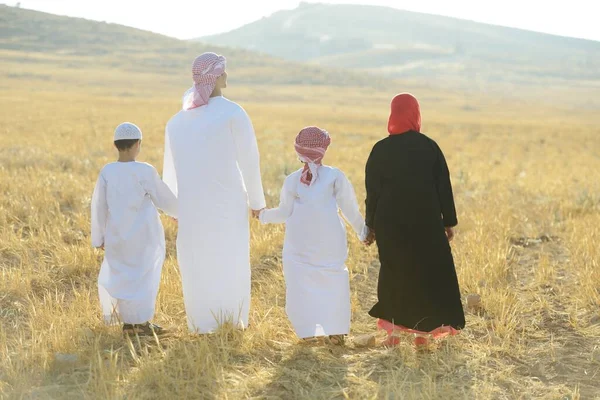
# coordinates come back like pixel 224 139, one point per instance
pixel 126 222
pixel 315 250
pixel 212 164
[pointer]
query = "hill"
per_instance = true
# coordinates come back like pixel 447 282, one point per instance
pixel 79 46
pixel 408 45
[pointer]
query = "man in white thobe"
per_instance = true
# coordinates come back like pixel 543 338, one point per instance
pixel 212 164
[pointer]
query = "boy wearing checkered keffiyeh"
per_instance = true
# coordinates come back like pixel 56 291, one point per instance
pixel 316 248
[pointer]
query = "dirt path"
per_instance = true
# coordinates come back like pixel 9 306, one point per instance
pixel 563 353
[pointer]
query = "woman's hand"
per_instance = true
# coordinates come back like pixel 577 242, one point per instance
pixel 370 239
pixel 449 233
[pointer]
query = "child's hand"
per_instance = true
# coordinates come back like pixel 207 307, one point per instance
pixel 450 233
pixel 370 239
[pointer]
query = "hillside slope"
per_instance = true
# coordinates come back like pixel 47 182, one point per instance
pixel 34 38
pixel 408 44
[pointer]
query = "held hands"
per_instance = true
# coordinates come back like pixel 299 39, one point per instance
pixel 370 239
pixel 256 213
pixel 449 233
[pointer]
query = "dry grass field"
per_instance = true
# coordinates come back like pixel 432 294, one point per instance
pixel 527 183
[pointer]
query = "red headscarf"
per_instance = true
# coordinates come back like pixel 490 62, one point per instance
pixel 311 144
pixel 405 115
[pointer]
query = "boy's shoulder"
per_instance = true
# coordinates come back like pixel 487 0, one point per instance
pixel 145 166
pixel 294 175
pixel 145 170
pixel 334 171
pixel 326 170
pixel 108 167
pixel 292 179
pixel 330 168
pixel 119 167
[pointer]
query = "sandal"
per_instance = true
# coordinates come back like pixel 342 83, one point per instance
pixel 337 340
pixel 146 329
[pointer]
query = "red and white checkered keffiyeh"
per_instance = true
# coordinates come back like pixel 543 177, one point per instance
pixel 311 144
pixel 207 68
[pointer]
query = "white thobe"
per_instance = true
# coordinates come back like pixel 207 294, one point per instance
pixel 315 250
pixel 212 164
pixel 126 222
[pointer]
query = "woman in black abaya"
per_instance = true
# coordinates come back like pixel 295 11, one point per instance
pixel 410 210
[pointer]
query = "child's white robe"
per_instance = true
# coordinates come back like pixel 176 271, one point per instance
pixel 315 250
pixel 126 221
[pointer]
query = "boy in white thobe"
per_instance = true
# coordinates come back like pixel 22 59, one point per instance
pixel 126 224
pixel 316 248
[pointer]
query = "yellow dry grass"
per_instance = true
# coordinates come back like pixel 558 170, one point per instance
pixel 527 185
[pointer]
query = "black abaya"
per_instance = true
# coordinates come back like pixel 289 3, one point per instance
pixel 409 202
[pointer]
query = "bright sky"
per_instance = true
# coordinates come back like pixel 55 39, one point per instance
pixel 187 19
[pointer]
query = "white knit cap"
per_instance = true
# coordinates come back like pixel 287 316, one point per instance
pixel 127 130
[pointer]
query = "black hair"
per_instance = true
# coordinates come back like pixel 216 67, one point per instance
pixel 125 144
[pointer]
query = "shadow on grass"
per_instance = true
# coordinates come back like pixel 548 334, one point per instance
pixel 189 367
pixel 403 372
pixel 310 372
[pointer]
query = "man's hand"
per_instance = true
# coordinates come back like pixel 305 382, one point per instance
pixel 449 233
pixel 256 213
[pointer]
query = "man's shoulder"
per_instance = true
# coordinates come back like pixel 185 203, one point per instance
pixel 175 118
pixel 233 107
